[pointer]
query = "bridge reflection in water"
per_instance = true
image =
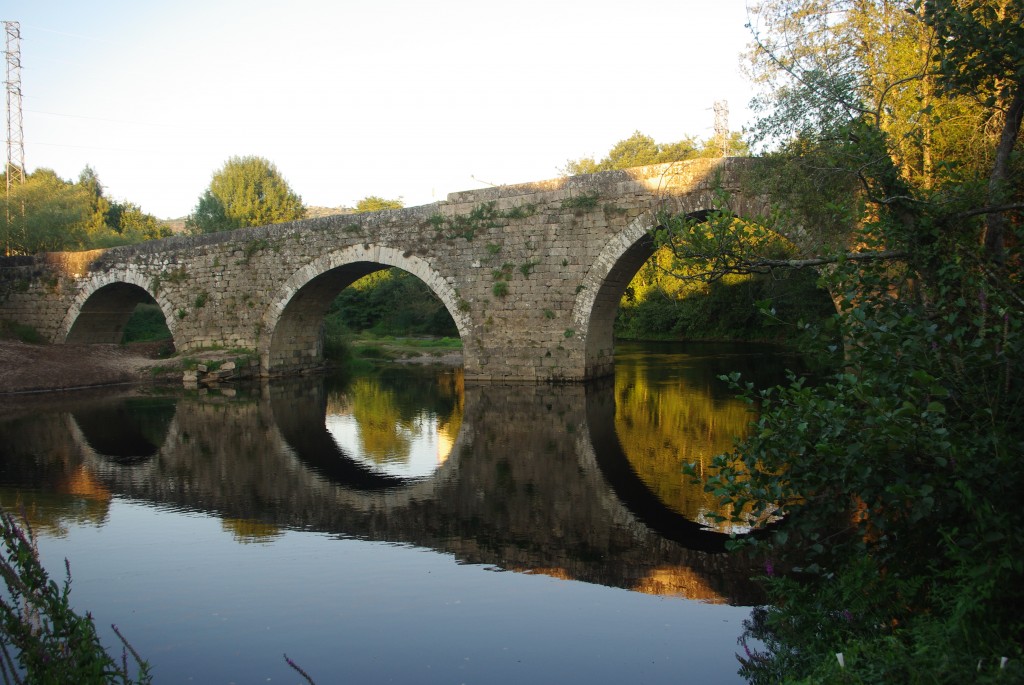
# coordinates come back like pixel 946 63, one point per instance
pixel 526 478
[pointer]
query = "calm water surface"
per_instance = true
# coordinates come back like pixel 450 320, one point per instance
pixel 401 526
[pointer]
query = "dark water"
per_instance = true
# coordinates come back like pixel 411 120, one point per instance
pixel 399 527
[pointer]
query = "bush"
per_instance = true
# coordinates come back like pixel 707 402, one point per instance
pixel 336 346
pixel 898 480
pixel 392 302
pixel 728 309
pixel 147 324
pixel 22 332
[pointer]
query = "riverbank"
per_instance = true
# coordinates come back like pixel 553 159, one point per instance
pixel 35 368
pixel 26 368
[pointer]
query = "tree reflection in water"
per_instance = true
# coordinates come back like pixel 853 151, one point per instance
pixel 403 426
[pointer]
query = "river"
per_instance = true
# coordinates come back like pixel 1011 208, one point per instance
pixel 400 526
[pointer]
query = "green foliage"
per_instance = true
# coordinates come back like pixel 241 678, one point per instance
pixel 886 490
pixel 336 341
pixel 22 332
pixel 642 150
pixel 51 643
pixel 392 301
pixel 146 324
pixel 481 218
pixel 733 308
pixel 130 225
pixel 209 216
pixel 583 201
pixel 246 191
pixel 47 213
pixel 894 478
pixel 374 203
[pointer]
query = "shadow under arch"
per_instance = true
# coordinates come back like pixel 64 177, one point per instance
pixel 291 339
pixel 628 487
pixel 128 432
pixel 299 410
pixel 104 305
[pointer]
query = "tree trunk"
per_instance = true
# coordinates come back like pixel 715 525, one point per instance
pixel 995 225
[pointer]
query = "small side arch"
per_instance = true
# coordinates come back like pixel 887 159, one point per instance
pixel 104 304
pixel 290 338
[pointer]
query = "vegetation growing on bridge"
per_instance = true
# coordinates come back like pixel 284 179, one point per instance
pixel 483 217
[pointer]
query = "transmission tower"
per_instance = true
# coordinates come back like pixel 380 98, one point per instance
pixel 721 109
pixel 15 170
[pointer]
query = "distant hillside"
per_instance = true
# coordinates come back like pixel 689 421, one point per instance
pixel 317 212
pixel 176 225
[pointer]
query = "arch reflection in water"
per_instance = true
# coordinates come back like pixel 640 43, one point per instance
pixel 371 433
pixel 403 427
pixel 129 431
pixel 672 409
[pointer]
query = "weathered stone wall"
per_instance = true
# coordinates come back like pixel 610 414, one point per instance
pixel 532 273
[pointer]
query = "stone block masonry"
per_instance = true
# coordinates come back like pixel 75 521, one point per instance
pixel 532 274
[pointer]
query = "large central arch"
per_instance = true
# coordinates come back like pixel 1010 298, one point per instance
pixel 291 339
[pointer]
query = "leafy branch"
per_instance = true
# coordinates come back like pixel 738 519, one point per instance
pixel 50 642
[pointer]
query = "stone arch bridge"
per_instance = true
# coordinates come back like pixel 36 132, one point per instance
pixel 532 274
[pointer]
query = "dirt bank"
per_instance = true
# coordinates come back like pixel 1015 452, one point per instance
pixel 28 368
pixel 38 368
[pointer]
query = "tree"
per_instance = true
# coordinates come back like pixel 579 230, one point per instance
pixel 132 225
pixel 209 216
pixel 96 227
pixel 980 52
pixel 246 191
pixel 373 203
pixel 45 213
pixel 642 150
pixel 881 490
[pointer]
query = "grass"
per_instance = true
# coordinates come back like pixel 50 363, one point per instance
pixel 22 332
pixel 367 346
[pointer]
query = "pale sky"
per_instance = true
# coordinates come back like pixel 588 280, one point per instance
pixel 348 99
